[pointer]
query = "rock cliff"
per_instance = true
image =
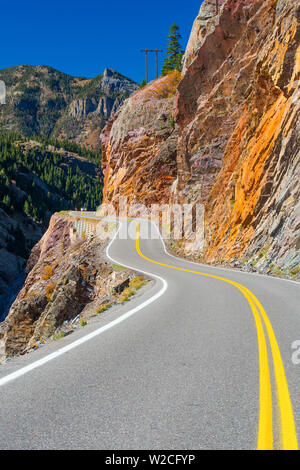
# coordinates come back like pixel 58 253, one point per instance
pixel 139 145
pixel 237 129
pixel 238 118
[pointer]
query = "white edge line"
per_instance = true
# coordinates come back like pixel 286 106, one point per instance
pixel 99 331
pixel 69 347
pixel 209 266
pixel 231 270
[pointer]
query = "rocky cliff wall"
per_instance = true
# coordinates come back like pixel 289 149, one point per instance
pixel 238 150
pixel 237 128
pixel 139 146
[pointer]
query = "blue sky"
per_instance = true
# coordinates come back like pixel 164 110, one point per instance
pixel 82 37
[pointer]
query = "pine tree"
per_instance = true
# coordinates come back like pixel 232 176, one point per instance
pixel 174 52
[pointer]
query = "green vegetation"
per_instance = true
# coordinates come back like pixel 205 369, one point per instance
pixel 83 322
pixel 38 181
pixel 137 282
pixel 126 294
pixel 276 270
pixel 174 54
pixel 103 308
pixel 39 96
pixel 31 113
pixel 295 271
pixel 116 267
pixel 59 335
pixel 69 146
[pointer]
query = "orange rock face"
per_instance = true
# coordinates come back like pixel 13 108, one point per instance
pixel 238 130
pixel 238 115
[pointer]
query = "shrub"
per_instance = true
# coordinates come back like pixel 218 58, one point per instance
pixel 295 271
pixel 59 335
pixel 103 308
pixel 171 121
pixel 83 322
pixel 276 270
pixel 116 267
pixel 126 294
pixel 137 282
pixel 164 87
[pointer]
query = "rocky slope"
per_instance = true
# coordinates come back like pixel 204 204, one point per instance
pixel 237 120
pixel 67 276
pixel 43 101
pixel 35 181
pixel 139 145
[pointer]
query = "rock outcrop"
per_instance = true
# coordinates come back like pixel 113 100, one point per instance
pixel 139 146
pixel 67 275
pixel 204 24
pixel 237 120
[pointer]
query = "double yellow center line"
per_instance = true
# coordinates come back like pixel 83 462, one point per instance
pixel 265 427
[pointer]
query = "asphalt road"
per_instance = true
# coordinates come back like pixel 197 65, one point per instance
pixel 184 365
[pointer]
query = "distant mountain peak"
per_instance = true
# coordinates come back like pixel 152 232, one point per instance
pixel 108 72
pixel 44 101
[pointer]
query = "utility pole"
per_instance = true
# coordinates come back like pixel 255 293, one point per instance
pixel 156 52
pixel 146 51
pixel 217 7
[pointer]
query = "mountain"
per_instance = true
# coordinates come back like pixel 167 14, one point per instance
pixel 49 154
pixel 235 133
pixel 225 134
pixel 45 102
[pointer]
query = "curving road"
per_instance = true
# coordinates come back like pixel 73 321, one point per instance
pixel 201 360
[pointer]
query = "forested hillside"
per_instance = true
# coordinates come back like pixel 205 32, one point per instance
pixel 37 178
